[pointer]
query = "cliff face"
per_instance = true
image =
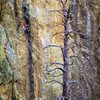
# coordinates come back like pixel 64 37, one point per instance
pixel 87 24
pixel 45 22
pixel 13 53
pixel 13 48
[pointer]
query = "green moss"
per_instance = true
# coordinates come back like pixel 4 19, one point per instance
pixel 5 71
pixel 0 39
pixel 0 46
pixel 1 43
pixel 1 98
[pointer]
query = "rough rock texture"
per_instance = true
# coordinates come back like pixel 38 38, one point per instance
pixel 87 45
pixel 41 21
pixel 13 54
pixel 13 48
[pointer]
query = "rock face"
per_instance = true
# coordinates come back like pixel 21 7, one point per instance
pixel 14 47
pixel 13 53
pixel 44 24
pixel 87 23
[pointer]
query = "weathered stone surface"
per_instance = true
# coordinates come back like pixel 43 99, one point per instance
pixel 13 47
